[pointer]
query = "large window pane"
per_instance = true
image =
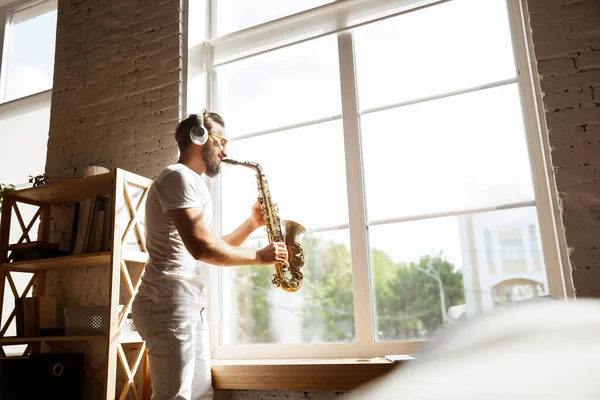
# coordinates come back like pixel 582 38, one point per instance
pixel 305 171
pixel 234 15
pixel 24 138
pixel 457 153
pixel 321 311
pixel 196 32
pixel 449 46
pixel 29 40
pixel 280 88
pixel 453 267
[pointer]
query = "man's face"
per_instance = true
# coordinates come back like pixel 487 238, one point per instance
pixel 213 151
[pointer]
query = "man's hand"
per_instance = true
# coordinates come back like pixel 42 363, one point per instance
pixel 257 215
pixel 273 253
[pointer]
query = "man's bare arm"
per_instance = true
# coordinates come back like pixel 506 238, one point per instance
pixel 204 246
pixel 238 236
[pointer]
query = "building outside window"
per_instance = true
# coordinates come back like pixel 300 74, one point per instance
pixel 398 133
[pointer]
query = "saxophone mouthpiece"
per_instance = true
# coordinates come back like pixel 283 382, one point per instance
pixel 247 164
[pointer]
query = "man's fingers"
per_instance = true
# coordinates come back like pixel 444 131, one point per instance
pixel 280 252
pixel 282 261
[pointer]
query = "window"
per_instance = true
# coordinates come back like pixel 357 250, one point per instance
pixel 26 73
pixel 513 291
pixel 397 137
pixel 251 92
pixel 512 250
pixel 28 59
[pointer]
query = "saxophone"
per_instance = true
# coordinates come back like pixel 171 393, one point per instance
pixel 287 278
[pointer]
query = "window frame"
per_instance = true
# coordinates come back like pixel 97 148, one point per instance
pixel 238 45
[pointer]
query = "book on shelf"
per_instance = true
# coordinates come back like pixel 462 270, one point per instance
pixel 91 226
pixel 36 316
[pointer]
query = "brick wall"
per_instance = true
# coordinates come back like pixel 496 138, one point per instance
pixel 117 86
pixel 566 38
pixel 115 102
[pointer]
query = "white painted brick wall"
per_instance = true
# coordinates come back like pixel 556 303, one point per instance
pixel 115 103
pixel 118 75
pixel 566 38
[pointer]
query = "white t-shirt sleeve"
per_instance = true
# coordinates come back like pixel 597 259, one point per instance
pixel 177 190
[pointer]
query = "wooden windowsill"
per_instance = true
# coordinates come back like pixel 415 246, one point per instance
pixel 298 374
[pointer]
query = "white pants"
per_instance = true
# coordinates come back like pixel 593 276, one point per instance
pixel 176 336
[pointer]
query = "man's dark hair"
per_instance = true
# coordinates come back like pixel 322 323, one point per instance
pixel 182 132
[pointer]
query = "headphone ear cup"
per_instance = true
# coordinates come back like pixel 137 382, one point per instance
pixel 199 135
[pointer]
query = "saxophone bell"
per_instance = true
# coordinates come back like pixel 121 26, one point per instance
pixel 293 230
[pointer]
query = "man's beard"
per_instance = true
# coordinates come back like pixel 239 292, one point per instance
pixel 211 159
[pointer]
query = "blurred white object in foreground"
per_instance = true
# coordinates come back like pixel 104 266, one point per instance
pixel 542 349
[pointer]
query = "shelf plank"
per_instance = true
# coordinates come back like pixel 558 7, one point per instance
pixel 315 374
pixel 75 189
pixel 25 340
pixel 45 264
pixel 134 256
pixel 130 338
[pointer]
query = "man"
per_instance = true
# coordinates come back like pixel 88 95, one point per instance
pixel 168 310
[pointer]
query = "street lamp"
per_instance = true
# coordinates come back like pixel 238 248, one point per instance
pixel 436 275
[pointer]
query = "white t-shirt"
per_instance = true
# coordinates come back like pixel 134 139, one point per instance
pixel 171 273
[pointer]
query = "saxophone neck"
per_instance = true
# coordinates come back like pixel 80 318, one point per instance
pixel 260 177
pixel 252 165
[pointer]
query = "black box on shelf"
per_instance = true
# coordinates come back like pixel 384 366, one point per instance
pixel 42 376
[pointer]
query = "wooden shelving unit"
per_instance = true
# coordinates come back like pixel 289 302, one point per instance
pixel 127 195
pixel 24 340
pixel 78 261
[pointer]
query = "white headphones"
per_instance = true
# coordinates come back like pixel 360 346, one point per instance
pixel 198 133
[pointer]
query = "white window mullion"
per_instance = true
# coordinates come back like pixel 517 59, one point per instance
pixel 4 32
pixel 287 127
pixel 356 203
pixel 215 298
pixel 209 71
pixel 551 229
pixel 454 213
pixel 211 12
pixel 442 95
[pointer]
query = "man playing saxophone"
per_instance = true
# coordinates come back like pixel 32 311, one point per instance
pixel 168 310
